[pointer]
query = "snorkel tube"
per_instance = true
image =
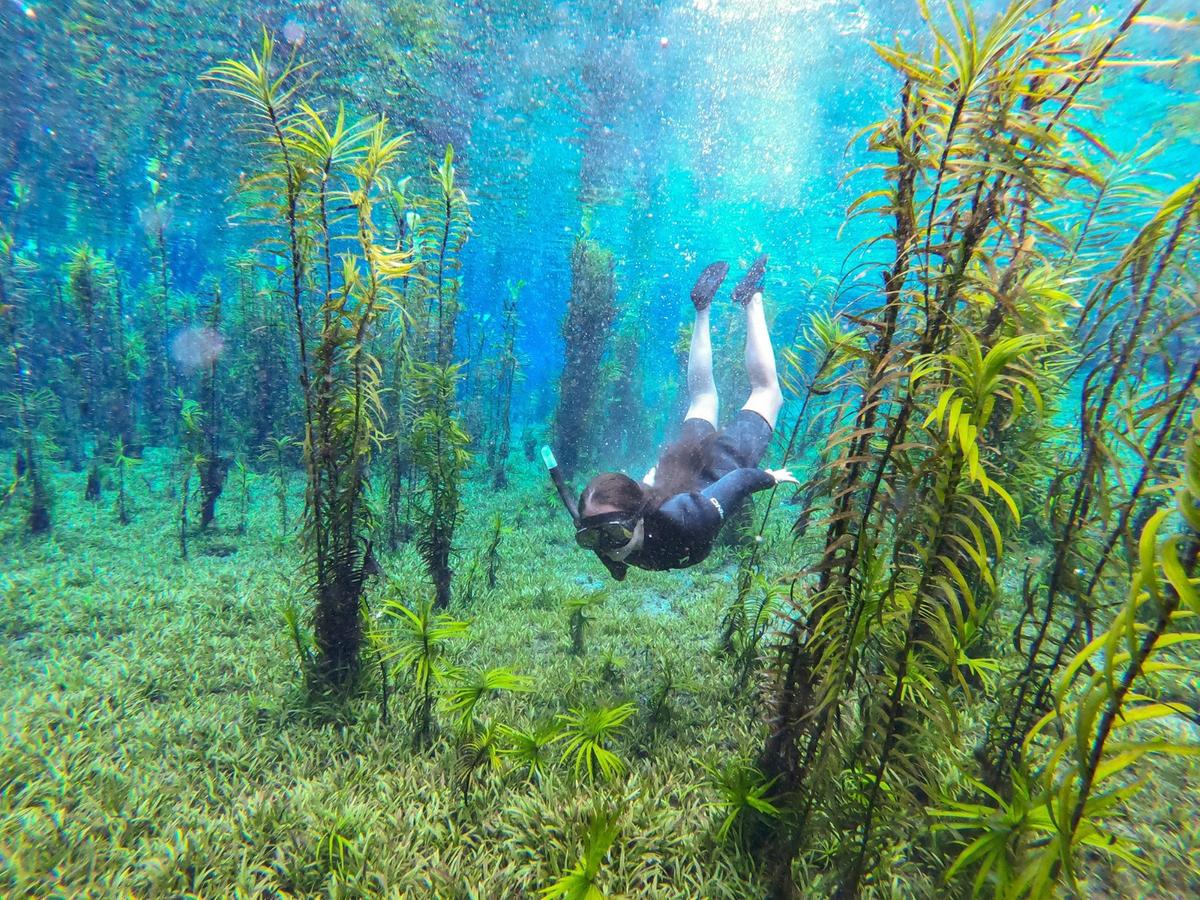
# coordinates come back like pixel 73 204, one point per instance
pixel 560 483
pixel 616 569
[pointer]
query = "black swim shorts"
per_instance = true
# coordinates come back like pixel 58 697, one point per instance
pixel 739 445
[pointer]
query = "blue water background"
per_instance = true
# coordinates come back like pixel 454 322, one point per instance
pixel 673 133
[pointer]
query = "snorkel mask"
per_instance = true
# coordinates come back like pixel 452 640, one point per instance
pixel 598 533
pixel 605 532
pixel 602 533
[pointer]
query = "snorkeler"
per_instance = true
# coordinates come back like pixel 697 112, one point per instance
pixel 671 518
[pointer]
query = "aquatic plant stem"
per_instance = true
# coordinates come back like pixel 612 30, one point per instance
pixel 1083 610
pixel 849 886
pixel 1116 700
pixel 1081 500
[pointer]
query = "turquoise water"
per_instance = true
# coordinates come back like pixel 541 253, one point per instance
pixel 675 133
pixel 169 728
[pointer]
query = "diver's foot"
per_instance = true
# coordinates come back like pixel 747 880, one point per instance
pixel 751 282
pixel 706 285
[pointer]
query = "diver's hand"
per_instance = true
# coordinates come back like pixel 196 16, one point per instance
pixel 782 476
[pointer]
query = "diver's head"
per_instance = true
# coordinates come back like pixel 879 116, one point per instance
pixel 611 492
pixel 610 511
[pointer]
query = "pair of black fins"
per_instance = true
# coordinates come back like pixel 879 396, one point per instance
pixel 710 279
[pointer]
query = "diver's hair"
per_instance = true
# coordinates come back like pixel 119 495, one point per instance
pixel 614 489
pixel 677 471
pixel 679 466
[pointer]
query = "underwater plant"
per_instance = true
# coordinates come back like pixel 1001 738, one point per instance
pixel 479 379
pixel 191 461
pixel 439 443
pixel 88 290
pixel 577 607
pixel 492 551
pixel 443 225
pixel 124 371
pixel 659 708
pixel 468 586
pixel 588 734
pixel 529 750
pixel 158 380
pixel 301 641
pixel 276 452
pixel 474 685
pixel 582 880
pixel 1120 358
pixel 404 339
pixel 324 176
pixel 242 471
pixel 30 409
pixel 1073 773
pixel 33 414
pixel 415 646
pixel 746 622
pixel 624 420
pixel 216 466
pixel 439 448
pixel 498 446
pixel 259 371
pixel 742 791
pixel 963 335
pixel 478 749
pixel 586 329
pixel 122 463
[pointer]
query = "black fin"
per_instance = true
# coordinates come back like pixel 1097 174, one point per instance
pixel 708 282
pixel 751 282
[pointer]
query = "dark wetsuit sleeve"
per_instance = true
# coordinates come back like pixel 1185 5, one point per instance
pixel 735 487
pixel 693 524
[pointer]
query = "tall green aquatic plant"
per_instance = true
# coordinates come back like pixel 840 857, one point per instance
pixel 586 328
pixel 29 409
pixel 406 339
pixel 276 453
pixel 1135 398
pixel 191 460
pixel 443 225
pixel 439 447
pixel 438 442
pixel 1074 771
pixel 506 377
pixel 158 381
pixel 491 553
pixel 259 371
pixel 625 426
pixel 891 614
pixel 89 290
pixel 320 178
pixel 122 463
pixel 125 367
pixel 216 465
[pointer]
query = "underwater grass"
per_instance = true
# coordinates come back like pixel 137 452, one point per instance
pixel 158 740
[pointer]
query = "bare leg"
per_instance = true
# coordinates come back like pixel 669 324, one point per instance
pixel 765 396
pixel 702 390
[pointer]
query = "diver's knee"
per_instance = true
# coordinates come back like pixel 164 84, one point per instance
pixel 776 397
pixel 703 407
pixel 766 401
pixel 770 393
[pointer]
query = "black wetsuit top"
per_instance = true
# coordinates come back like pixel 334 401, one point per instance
pixel 681 532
